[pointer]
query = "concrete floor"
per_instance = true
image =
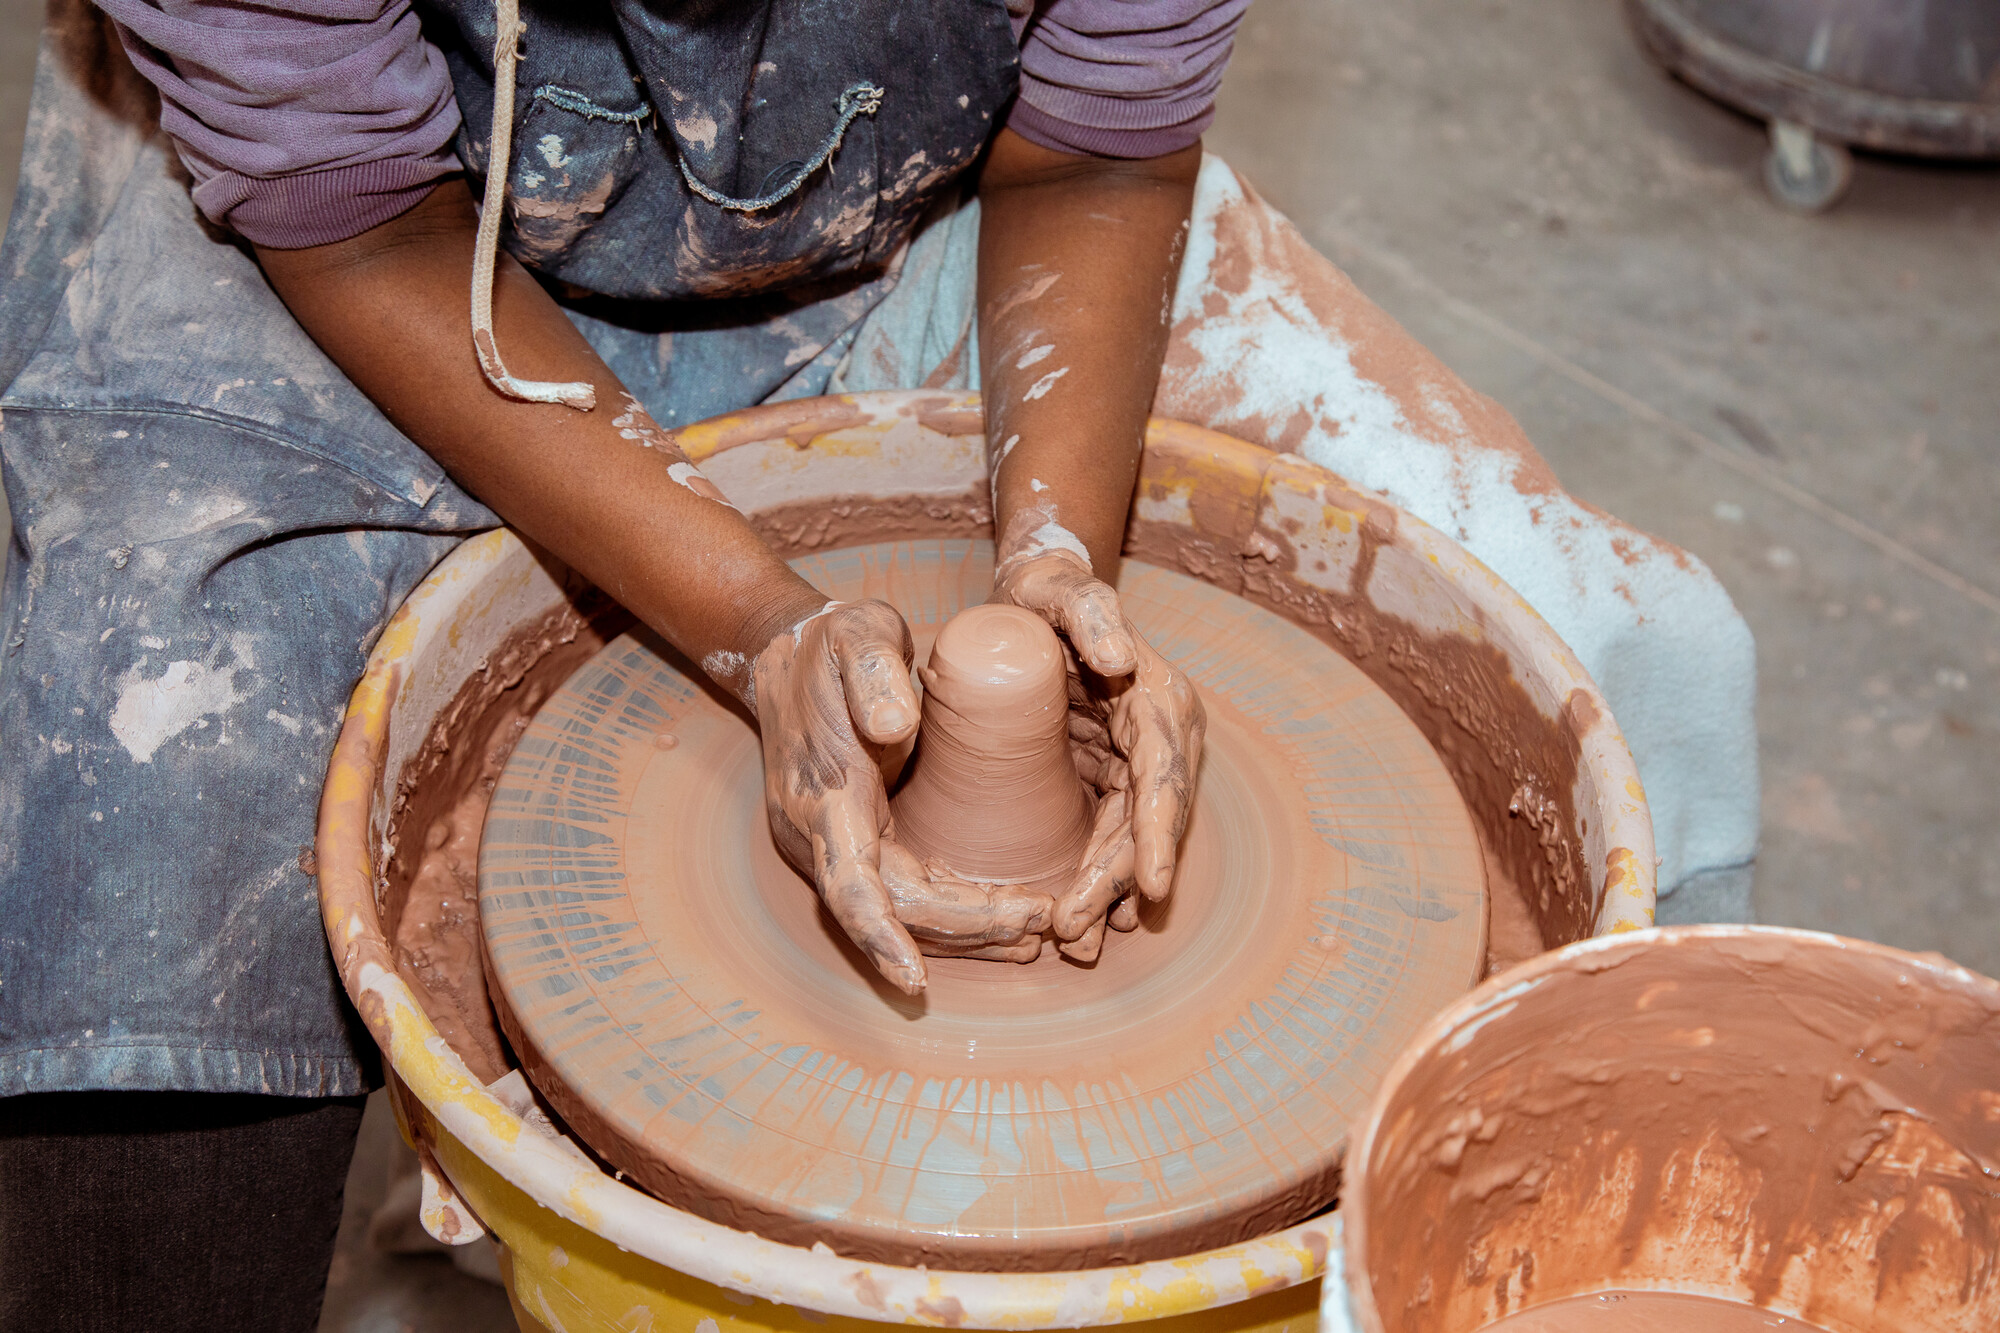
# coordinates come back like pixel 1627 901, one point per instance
pixel 1806 403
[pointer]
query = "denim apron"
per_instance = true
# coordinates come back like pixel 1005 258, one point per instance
pixel 211 525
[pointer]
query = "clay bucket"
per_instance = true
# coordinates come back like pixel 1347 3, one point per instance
pixel 1727 1042
pixel 585 1252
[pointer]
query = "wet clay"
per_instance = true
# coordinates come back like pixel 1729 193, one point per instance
pixel 1500 750
pixel 992 793
pixel 1648 1312
pixel 1513 935
pixel 687 1006
pixel 847 520
pixel 429 895
pixel 1516 766
pixel 1770 1116
pixel 443 790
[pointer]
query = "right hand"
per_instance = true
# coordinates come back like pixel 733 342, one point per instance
pixel 1136 726
pixel 829 694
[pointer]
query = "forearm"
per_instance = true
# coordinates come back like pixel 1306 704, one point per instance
pixel 1077 263
pixel 598 488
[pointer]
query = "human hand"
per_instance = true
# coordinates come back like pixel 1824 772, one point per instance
pixel 1136 728
pixel 951 917
pixel 829 694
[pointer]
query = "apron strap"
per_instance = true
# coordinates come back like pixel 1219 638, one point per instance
pixel 486 250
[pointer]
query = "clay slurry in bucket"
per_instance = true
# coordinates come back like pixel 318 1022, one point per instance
pixel 678 993
pixel 1721 1127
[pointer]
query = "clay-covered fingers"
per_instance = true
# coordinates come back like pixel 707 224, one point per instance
pixel 1060 588
pixel 1094 623
pixel 949 916
pixel 820 687
pixel 1158 724
pixel 1136 727
pixel 1087 946
pixel 1105 875
pixel 1027 951
pixel 871 644
pixel 1097 759
pixel 846 852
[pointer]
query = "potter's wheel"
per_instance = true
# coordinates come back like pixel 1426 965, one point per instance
pixel 676 992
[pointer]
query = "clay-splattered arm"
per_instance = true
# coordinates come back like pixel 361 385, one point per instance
pixel 1078 257
pixel 1077 264
pixel 606 490
pixel 610 493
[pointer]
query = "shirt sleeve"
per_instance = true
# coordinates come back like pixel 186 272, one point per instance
pixel 1120 78
pixel 303 122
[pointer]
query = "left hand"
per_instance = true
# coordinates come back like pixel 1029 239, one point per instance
pixel 830 693
pixel 1136 729
pixel 950 917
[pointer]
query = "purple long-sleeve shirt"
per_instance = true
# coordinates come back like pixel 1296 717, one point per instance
pixel 308 122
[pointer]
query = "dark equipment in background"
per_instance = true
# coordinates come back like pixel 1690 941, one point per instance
pixel 1903 76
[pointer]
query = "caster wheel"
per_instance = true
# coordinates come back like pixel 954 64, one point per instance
pixel 1804 173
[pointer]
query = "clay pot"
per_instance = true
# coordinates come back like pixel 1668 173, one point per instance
pixel 992 792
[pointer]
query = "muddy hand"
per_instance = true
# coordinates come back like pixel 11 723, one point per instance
pixel 956 918
pixel 1104 882
pixel 1156 725
pixel 829 692
pixel 1137 727
pixel 1059 587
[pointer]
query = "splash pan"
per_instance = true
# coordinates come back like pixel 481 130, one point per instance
pixel 1518 724
pixel 675 990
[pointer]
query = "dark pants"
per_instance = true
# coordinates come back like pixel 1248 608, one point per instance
pixel 168 1211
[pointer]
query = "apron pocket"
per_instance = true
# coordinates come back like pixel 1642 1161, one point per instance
pixel 573 158
pixel 161 317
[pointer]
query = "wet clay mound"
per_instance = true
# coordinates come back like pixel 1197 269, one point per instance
pixel 675 991
pixel 992 792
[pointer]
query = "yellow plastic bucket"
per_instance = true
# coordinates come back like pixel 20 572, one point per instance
pixel 1555 795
